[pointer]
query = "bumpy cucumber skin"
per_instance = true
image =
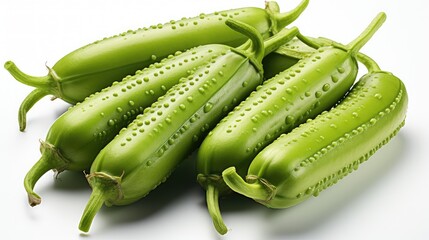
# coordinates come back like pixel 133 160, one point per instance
pixel 320 152
pixel 77 136
pixel 179 119
pixel 82 131
pixel 97 65
pixel 313 85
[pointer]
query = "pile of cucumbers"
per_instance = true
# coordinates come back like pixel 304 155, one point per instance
pixel 273 114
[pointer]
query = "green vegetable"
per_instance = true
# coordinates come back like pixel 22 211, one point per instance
pixel 285 57
pixel 78 135
pixel 290 53
pixel 149 149
pixel 313 85
pixel 322 151
pixel 95 66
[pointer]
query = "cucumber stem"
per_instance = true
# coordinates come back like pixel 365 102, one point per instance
pixel 366 35
pixel 256 190
pixel 369 63
pixel 276 41
pixel 44 85
pixel 50 159
pixel 27 104
pixel 43 82
pixel 96 201
pixel 212 198
pixel 281 20
pixel 36 172
pixel 105 189
pixel 250 32
pixel 308 41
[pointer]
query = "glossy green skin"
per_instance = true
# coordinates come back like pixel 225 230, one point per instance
pixel 95 66
pixel 275 63
pixel 320 152
pixel 149 149
pixel 81 132
pixel 77 136
pixel 313 85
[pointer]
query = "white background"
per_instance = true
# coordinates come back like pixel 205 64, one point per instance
pixel 387 198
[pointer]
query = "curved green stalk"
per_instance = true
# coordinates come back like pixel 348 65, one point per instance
pixel 354 46
pixel 212 198
pixel 364 37
pixel 308 41
pixel 281 20
pixel 256 48
pixel 369 63
pixel 252 34
pixel 50 159
pixel 96 201
pixel 256 190
pixel 44 85
pixel 27 104
pixel 38 170
pixel 279 39
pixel 43 82
pixel 105 189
